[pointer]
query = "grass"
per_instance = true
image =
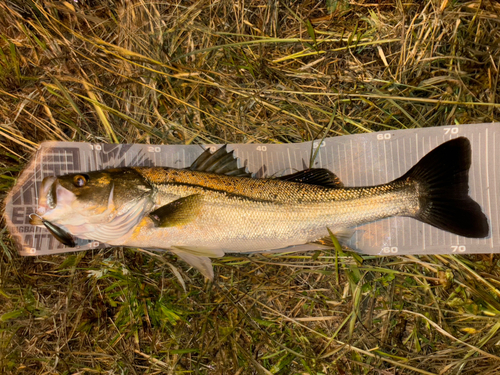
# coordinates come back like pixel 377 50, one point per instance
pixel 178 72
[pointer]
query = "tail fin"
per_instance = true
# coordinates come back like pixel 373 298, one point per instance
pixel 443 182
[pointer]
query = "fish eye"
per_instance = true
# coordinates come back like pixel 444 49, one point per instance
pixel 80 180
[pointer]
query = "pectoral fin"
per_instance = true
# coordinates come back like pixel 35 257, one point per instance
pixel 178 212
pixel 201 263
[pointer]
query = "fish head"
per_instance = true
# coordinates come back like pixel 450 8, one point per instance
pixel 81 203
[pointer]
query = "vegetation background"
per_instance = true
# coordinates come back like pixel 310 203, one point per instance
pixel 228 71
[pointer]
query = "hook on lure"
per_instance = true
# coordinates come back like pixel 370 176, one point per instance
pixel 61 235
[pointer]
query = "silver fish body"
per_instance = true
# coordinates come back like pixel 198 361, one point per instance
pixel 214 208
pixel 240 214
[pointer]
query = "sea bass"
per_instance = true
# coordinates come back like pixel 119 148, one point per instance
pixel 214 207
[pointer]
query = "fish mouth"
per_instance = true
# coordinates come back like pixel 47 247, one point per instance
pixel 51 193
pixel 47 200
pixel 48 195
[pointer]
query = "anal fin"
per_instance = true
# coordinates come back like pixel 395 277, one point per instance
pixel 342 235
pixel 311 246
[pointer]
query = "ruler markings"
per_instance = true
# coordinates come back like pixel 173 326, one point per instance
pixel 398 157
pixel 494 233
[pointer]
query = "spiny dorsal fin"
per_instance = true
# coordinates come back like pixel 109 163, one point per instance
pixel 220 162
pixel 314 176
pixel 178 212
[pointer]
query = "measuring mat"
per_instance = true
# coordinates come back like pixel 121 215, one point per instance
pixel 358 160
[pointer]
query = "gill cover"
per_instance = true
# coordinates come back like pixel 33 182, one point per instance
pixel 103 205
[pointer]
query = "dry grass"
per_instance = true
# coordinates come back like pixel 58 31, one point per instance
pixel 243 71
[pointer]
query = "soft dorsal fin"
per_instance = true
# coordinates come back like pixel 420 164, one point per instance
pixel 220 162
pixel 314 176
pixel 179 212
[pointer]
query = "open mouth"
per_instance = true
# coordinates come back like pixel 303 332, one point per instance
pixel 50 191
pixel 44 200
pixel 47 202
pixel 48 195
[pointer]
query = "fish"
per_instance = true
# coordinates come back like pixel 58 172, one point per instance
pixel 215 207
